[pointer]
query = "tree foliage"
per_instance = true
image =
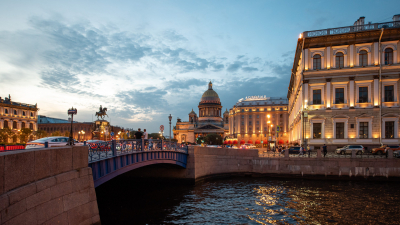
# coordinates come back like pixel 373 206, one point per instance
pixel 5 134
pixel 213 139
pixel 56 133
pixel 41 134
pixel 25 132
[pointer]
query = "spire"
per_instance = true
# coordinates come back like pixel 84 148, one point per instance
pixel 210 86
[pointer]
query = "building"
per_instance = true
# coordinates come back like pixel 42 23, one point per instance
pixel 344 86
pixel 81 131
pixel 259 120
pixel 209 120
pixel 16 115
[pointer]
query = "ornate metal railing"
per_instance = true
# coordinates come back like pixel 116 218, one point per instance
pixel 351 29
pixel 109 149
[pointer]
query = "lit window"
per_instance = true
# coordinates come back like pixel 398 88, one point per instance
pixel 339 60
pixel 317 130
pixel 363 132
pixel 339 130
pixel 339 95
pixel 317 62
pixel 363 94
pixel 389 129
pixel 317 97
pixel 388 56
pixel 389 95
pixel 363 58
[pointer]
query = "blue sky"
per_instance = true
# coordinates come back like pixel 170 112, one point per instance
pixel 144 60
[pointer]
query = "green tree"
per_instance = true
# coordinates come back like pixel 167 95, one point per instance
pixel 66 133
pixel 41 134
pixel 56 133
pixel 25 132
pixel 213 139
pixel 5 134
pixel 199 139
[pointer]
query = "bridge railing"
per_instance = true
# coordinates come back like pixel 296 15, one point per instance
pixel 109 149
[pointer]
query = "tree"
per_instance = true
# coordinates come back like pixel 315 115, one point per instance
pixel 5 134
pixel 66 133
pixel 199 139
pixel 41 133
pixel 213 139
pixel 56 133
pixel 25 132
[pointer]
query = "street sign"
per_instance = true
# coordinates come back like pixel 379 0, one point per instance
pixel 112 133
pixel 278 129
pixel 162 127
pixel 72 111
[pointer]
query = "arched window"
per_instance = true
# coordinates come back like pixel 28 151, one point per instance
pixel 388 56
pixel 23 125
pixel 339 60
pixel 6 111
pixel 5 124
pixel 15 125
pixel 23 113
pixel 317 62
pixel 31 126
pixel 363 58
pixel 15 112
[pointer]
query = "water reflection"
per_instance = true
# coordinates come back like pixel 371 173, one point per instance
pixel 252 201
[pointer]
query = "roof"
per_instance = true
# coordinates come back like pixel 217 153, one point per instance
pixel 12 103
pixel 45 119
pixel 210 96
pixel 261 100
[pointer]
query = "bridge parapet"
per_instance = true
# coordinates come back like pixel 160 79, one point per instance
pixel 47 186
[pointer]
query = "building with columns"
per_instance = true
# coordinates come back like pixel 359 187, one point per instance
pixel 210 119
pixel 16 115
pixel 344 86
pixel 259 119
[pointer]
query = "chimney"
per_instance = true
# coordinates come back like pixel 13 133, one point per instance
pixel 360 21
pixel 396 18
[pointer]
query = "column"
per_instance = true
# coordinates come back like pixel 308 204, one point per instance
pixel 351 96
pixel 305 55
pixel 328 93
pixel 376 90
pixel 376 53
pixel 351 55
pixel 285 122
pixel 305 93
pixel 1 124
pixel 328 58
pixel 19 125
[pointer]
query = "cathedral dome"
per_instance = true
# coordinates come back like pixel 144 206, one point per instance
pixel 210 96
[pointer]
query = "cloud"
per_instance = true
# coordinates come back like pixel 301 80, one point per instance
pixel 184 84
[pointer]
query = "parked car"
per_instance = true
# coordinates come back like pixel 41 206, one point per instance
pixel 53 141
pixel 381 150
pixel 247 146
pixel 348 149
pixel 292 150
pixel 396 154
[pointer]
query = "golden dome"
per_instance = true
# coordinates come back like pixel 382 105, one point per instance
pixel 210 96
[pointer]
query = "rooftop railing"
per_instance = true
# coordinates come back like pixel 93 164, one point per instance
pixel 351 29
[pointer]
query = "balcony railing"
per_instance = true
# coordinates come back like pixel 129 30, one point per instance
pixel 351 29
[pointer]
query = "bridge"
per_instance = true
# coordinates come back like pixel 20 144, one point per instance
pixel 116 157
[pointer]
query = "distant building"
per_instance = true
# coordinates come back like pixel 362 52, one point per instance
pixel 16 115
pixel 209 121
pixel 259 119
pixel 336 94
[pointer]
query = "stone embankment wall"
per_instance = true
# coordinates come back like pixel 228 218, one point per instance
pixel 47 186
pixel 210 162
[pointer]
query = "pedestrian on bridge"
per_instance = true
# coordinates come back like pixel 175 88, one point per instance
pixel 324 149
pixel 145 134
pixel 138 136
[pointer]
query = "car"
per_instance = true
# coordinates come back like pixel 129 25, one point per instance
pixel 247 146
pixel 348 149
pixel 292 150
pixel 382 150
pixel 396 154
pixel 53 142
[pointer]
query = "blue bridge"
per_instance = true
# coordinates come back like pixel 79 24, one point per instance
pixel 114 158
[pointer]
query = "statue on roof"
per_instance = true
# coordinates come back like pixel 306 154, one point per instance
pixel 102 112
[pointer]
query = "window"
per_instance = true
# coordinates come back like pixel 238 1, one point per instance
pixel 339 130
pixel 242 116
pixel 250 116
pixel 6 111
pixel 280 116
pixel 363 58
pixel 23 113
pixel 250 110
pixel 242 130
pixel 5 124
pixel 389 95
pixel 258 122
pixel 317 62
pixel 15 125
pixel 317 97
pixel 339 60
pixel 339 95
pixel 388 56
pixel 242 110
pixel 389 129
pixel 363 133
pixel 15 112
pixel 250 123
pixel 242 122
pixel 23 125
pixel 362 94
pixel 317 130
pixel 257 109
pixel 31 126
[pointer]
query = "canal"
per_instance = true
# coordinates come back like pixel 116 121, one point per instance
pixel 248 201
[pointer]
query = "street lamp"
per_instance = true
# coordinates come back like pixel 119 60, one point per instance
pixel 170 118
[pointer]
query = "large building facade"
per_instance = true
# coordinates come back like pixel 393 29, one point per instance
pixel 210 119
pixel 16 115
pixel 259 120
pixel 344 86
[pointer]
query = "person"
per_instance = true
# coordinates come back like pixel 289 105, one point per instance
pixel 145 134
pixel 301 150
pixel 138 135
pixel 151 143
pixel 280 149
pixel 387 151
pixel 324 149
pixel 309 151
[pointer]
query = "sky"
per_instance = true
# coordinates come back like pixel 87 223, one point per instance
pixel 144 60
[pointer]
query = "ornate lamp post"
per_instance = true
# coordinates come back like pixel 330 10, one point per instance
pixel 170 118
pixel 72 112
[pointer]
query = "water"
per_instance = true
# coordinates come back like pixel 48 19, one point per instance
pixel 249 201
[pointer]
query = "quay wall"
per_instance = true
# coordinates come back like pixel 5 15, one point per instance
pixel 47 186
pixel 211 162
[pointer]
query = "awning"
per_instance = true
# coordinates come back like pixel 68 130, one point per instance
pixel 229 142
pixel 225 142
pixel 258 142
pixel 242 142
pixel 235 142
pixel 281 142
pixel 250 141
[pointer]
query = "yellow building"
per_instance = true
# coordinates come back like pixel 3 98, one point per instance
pixel 259 119
pixel 209 121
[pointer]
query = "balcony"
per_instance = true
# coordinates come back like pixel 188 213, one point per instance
pixel 351 29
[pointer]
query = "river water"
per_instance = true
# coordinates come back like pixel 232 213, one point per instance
pixel 249 201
